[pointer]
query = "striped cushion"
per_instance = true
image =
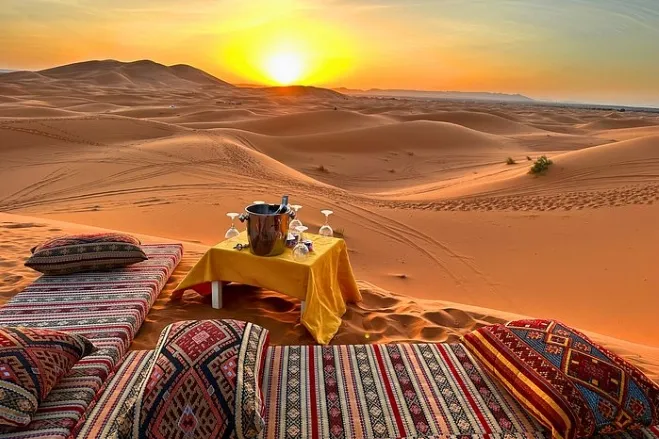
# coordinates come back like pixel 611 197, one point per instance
pixel 117 397
pixel 90 252
pixel 106 308
pixel 570 384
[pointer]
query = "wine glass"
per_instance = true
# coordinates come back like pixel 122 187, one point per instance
pixel 300 251
pixel 295 223
pixel 326 230
pixel 232 232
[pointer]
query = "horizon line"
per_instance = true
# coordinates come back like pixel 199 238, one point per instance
pixel 554 101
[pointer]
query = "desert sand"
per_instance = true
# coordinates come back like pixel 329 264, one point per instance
pixel 420 189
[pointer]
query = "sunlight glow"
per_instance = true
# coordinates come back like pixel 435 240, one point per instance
pixel 284 68
pixel 291 51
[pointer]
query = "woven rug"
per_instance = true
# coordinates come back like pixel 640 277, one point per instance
pixel 98 421
pixel 108 308
pixel 411 391
pixel 391 391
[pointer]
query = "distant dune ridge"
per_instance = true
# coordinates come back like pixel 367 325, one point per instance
pixel 114 73
pixel 429 94
pixel 433 196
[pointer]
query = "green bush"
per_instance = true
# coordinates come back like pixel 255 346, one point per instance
pixel 510 161
pixel 540 165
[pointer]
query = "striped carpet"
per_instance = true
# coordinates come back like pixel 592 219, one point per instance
pixel 391 391
pixel 108 308
pixel 410 391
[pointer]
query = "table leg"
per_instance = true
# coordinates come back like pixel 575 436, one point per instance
pixel 303 307
pixel 216 289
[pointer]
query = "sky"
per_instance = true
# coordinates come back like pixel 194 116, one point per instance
pixel 602 51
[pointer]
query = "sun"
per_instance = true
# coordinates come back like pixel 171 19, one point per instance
pixel 284 67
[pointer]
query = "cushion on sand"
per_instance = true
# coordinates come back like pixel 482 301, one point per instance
pixel 570 384
pixel 89 252
pixel 106 308
pixel 205 382
pixel 32 361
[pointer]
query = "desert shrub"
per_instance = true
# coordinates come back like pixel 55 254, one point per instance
pixel 540 165
pixel 528 157
pixel 322 168
pixel 510 161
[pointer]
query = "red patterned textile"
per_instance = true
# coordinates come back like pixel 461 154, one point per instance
pixel 118 394
pixel 88 238
pixel 413 391
pixel 106 308
pixel 32 361
pixel 392 391
pixel 386 391
pixel 569 383
pixel 204 382
pixel 92 252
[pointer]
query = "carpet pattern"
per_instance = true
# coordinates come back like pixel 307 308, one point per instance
pixel 391 391
pixel 108 309
pixel 117 397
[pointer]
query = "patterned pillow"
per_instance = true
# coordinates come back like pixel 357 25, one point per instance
pixel 205 382
pixel 32 361
pixel 92 252
pixel 570 384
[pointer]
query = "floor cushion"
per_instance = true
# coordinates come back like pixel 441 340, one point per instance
pixel 32 361
pixel 88 252
pixel 573 386
pixel 205 382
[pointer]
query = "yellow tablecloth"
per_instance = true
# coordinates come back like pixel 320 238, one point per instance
pixel 324 280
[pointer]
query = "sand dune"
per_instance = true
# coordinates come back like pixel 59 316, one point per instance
pixel 629 133
pixel 22 76
pixel 604 166
pixel 30 112
pixel 621 123
pixel 485 122
pixel 413 136
pixel 92 107
pixel 429 208
pixel 618 173
pixel 237 115
pixel 313 122
pixel 144 73
pixel 385 156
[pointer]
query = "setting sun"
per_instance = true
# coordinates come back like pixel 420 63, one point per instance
pixel 284 68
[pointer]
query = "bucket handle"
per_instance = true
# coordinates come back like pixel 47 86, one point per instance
pixel 244 216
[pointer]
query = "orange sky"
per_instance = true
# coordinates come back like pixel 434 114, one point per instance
pixel 593 50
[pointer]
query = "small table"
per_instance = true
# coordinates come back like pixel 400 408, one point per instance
pixel 324 282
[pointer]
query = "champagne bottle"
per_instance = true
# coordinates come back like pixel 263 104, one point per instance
pixel 284 204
